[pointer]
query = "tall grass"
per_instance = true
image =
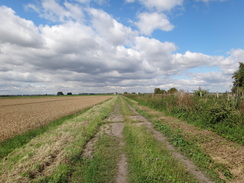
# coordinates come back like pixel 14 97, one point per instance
pixel 222 115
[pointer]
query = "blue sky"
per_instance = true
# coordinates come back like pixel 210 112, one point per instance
pixel 115 46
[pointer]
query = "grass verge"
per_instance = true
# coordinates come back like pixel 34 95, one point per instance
pixel 220 115
pixel 149 160
pixel 189 148
pixel 9 145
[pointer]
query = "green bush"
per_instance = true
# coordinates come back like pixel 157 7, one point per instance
pixel 218 114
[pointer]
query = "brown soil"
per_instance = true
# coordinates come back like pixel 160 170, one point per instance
pixel 116 121
pixel 218 148
pixel 18 115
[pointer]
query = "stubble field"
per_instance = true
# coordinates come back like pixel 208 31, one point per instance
pixel 18 115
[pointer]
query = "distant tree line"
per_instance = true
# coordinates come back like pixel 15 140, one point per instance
pixel 161 91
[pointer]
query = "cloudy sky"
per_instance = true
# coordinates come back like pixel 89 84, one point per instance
pixel 79 46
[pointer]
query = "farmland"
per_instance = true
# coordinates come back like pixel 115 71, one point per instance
pixel 122 141
pixel 18 115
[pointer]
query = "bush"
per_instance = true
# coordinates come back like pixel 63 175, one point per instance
pixel 218 114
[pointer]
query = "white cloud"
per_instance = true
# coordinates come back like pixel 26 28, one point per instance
pixel 148 22
pixel 83 1
pixel 206 1
pixel 15 30
pixel 160 5
pixel 190 59
pixel 102 55
pixel 113 31
pixel 68 38
pixel 55 12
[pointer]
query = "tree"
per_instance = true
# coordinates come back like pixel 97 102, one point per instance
pixel 60 93
pixel 156 90
pixel 238 84
pixel 172 90
pixel 200 92
pixel 159 91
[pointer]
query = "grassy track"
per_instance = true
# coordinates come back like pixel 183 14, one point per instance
pixel 102 165
pixel 149 160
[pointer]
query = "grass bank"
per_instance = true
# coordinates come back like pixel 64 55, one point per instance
pixel 221 115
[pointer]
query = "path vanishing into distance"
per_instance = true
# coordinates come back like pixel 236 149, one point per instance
pixel 120 141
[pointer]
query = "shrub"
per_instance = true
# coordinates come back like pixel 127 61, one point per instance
pixel 218 114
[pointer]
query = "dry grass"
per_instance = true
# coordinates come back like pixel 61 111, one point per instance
pixel 18 115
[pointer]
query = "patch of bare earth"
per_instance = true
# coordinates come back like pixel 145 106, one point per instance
pixel 115 116
pixel 218 148
pixel 193 169
pixel 116 121
pixel 115 129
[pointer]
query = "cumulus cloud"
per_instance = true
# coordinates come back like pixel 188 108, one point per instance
pixel 55 12
pixel 160 5
pixel 16 30
pixel 101 55
pixel 190 59
pixel 148 22
pixel 113 31
pixel 206 1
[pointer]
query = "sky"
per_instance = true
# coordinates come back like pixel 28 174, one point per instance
pixel 104 46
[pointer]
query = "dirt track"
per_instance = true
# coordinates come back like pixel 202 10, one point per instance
pixel 18 115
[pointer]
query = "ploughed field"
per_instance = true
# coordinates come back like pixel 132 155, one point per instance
pixel 18 115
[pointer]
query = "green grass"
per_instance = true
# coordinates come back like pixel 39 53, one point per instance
pixel 188 148
pixel 219 115
pixel 125 110
pixel 102 166
pixel 149 160
pixel 72 165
